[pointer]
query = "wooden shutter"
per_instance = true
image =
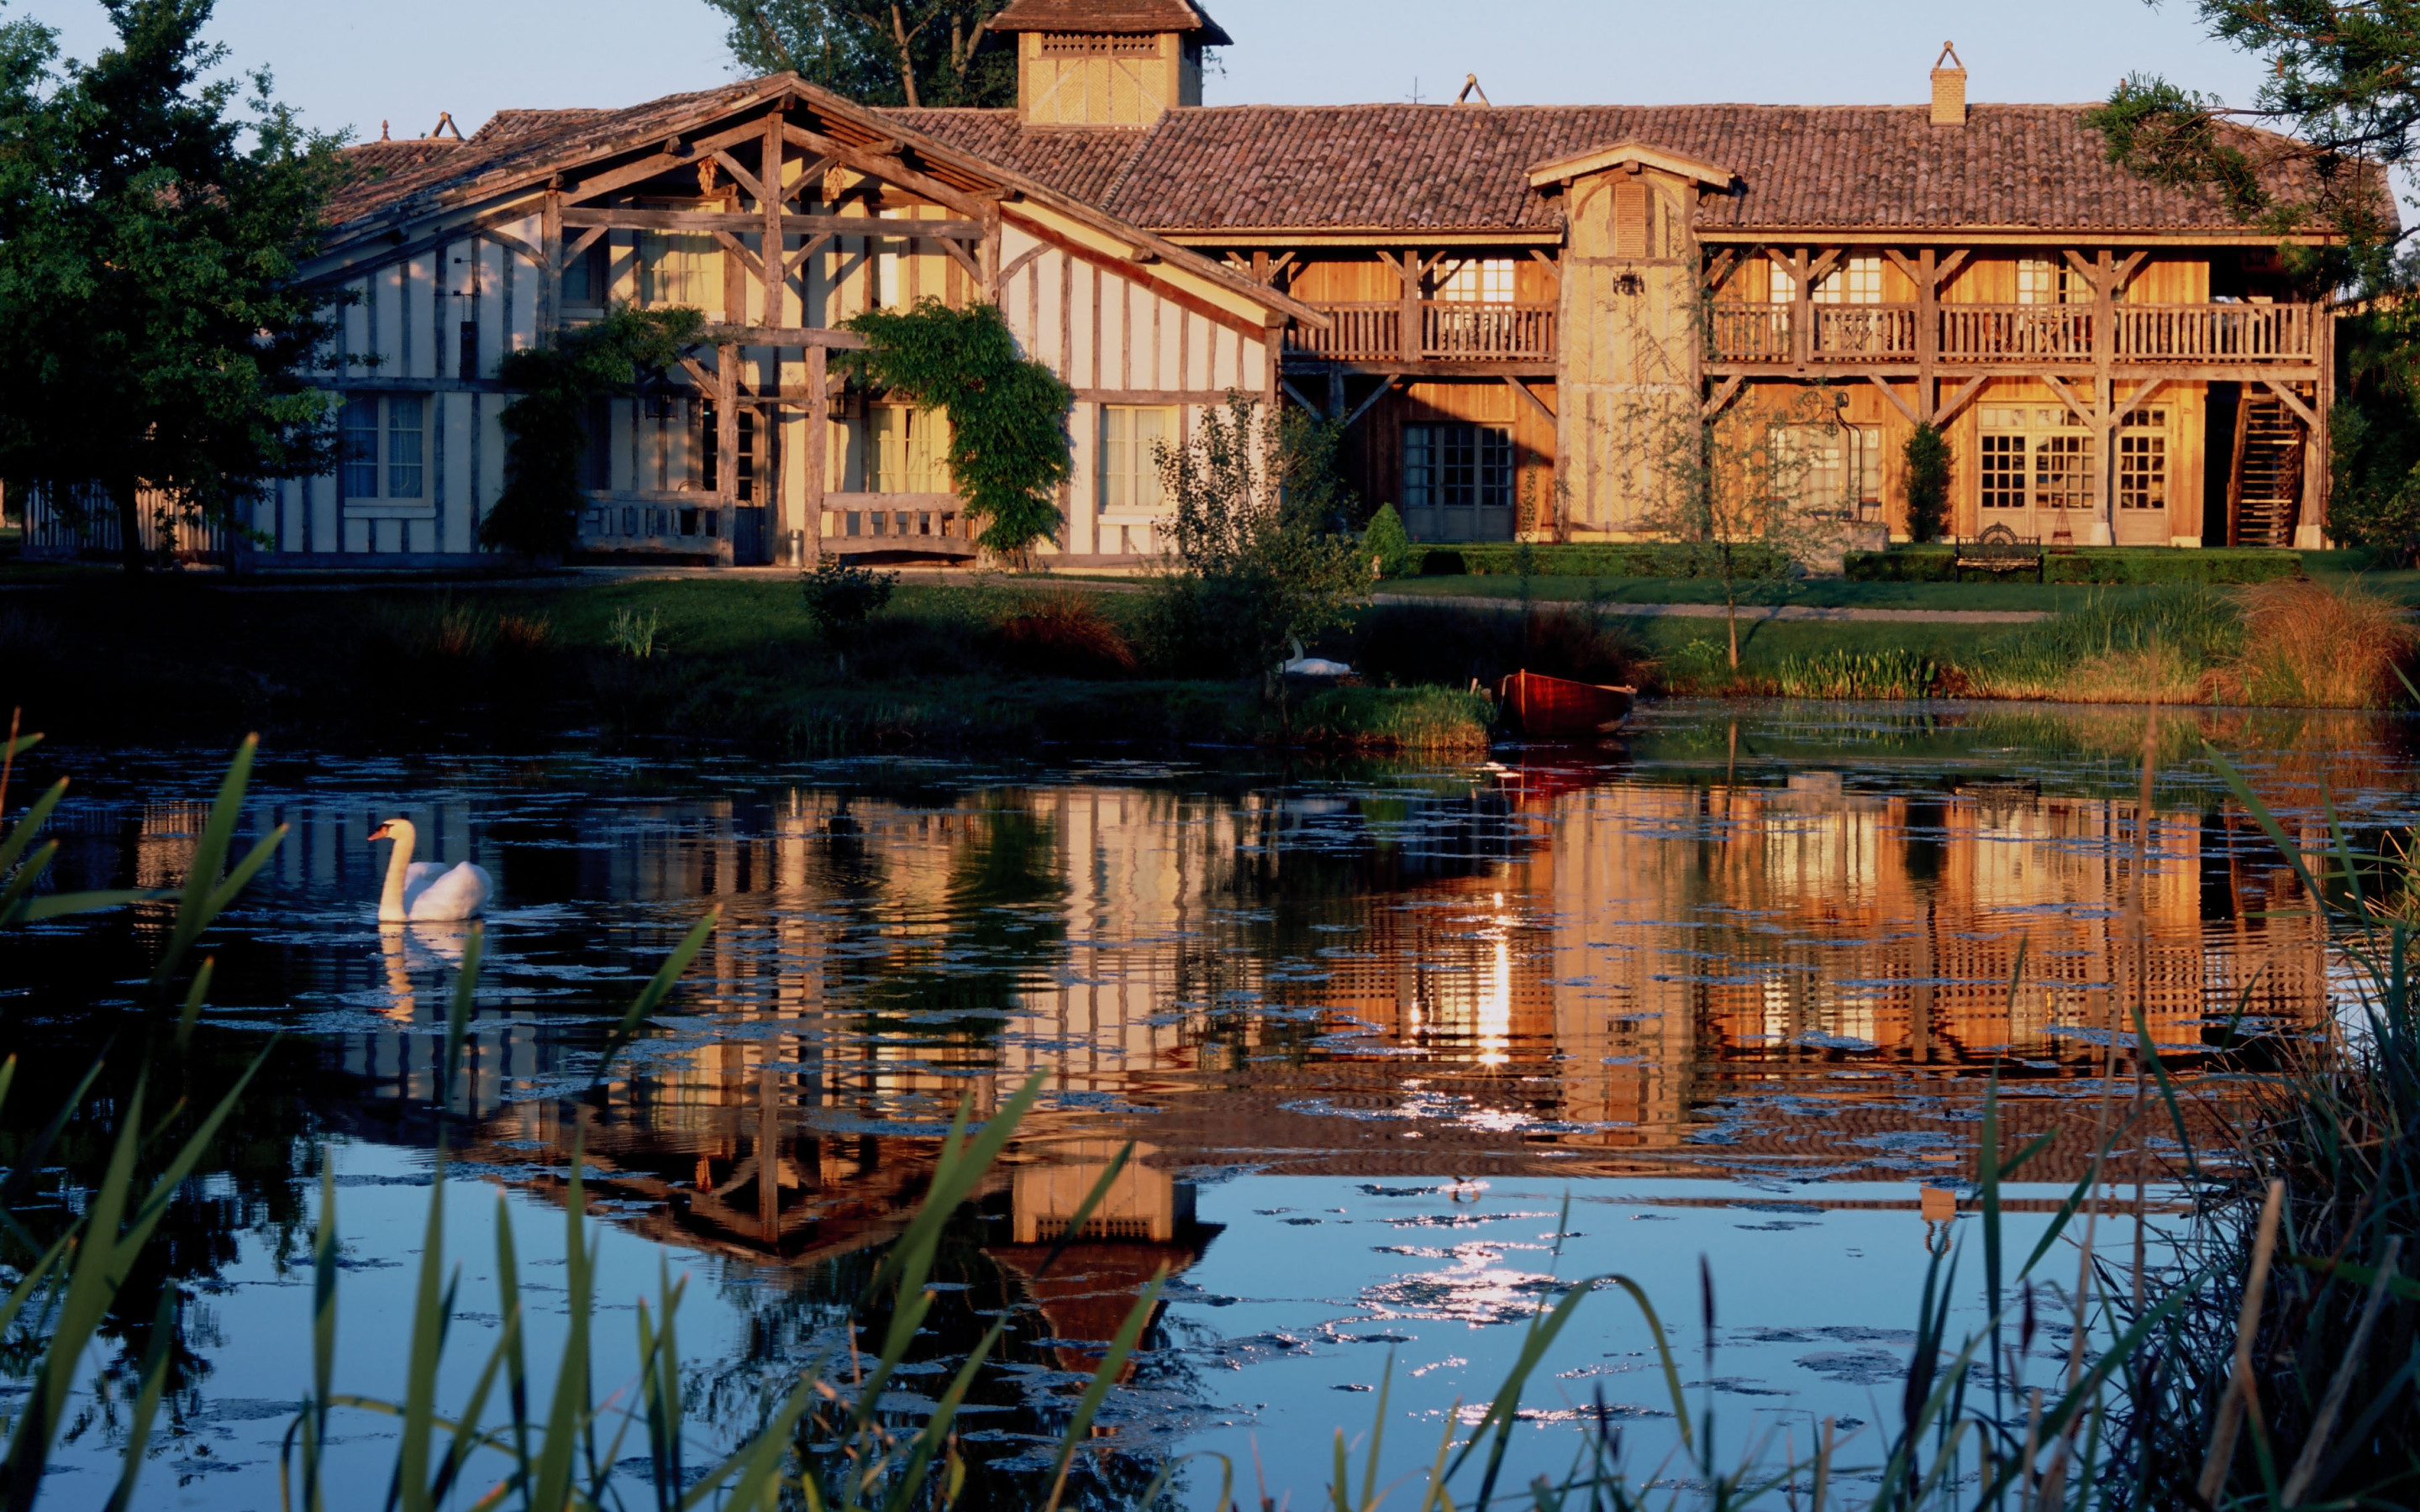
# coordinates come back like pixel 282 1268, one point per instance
pixel 1630 220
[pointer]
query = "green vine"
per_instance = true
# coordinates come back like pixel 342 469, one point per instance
pixel 546 425
pixel 1009 445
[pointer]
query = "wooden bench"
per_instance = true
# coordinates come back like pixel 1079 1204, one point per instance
pixel 2000 549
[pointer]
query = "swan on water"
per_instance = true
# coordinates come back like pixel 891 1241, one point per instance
pixel 1308 666
pixel 428 891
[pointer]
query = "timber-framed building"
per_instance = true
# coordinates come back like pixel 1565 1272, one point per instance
pixel 1488 297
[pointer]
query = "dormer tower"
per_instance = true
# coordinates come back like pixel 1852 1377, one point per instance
pixel 1106 62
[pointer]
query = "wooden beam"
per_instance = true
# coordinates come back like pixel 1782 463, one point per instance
pixel 514 244
pixel 628 174
pixel 772 269
pixel 1538 254
pixel 586 239
pixel 1525 391
pixel 740 176
pixel 1948 267
pixel 1721 398
pixel 819 467
pixel 958 252
pixel 814 244
pixel 550 293
pixel 698 373
pixel 1363 408
pixel 1300 398
pixel 1899 260
pixel 2144 394
pixel 2083 412
pixel 1949 408
pixel 1719 270
pixel 1897 402
pixel 2294 401
pixel 884 167
pixel 1820 266
pixel 726 448
pixel 805 337
pixel 1016 265
pixel 749 221
pixel 738 248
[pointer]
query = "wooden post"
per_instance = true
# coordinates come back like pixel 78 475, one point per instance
pixel 1412 269
pixel 1802 311
pixel 726 448
pixel 988 258
pixel 550 298
pixel 1928 333
pixel 818 470
pixel 2316 466
pixel 2104 400
pixel 770 251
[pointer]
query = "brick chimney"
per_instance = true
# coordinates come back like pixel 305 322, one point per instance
pixel 1948 87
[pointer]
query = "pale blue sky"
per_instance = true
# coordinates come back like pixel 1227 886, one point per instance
pixel 353 63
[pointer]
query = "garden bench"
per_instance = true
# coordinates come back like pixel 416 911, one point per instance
pixel 2000 549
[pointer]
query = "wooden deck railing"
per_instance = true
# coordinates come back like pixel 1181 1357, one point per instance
pixel 1372 330
pixel 1976 334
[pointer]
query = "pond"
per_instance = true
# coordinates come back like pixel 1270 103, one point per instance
pixel 1401 1051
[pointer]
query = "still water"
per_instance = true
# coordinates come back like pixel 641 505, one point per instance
pixel 1401 1050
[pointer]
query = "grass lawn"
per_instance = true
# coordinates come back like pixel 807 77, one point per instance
pixel 1823 593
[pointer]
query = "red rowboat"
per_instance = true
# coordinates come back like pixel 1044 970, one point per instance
pixel 1557 708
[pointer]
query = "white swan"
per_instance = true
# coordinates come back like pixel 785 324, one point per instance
pixel 1309 666
pixel 428 891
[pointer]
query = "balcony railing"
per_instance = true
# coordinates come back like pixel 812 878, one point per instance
pixel 1451 331
pixel 1978 334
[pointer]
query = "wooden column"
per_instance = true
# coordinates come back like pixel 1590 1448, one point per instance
pixel 726 448
pixel 1802 311
pixel 1411 269
pixel 2104 398
pixel 1928 334
pixel 550 296
pixel 988 258
pixel 818 470
pixel 769 249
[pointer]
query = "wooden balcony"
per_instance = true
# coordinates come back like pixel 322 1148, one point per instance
pixel 1449 331
pixel 2023 335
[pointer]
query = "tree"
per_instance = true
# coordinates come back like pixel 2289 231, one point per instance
pixel 912 52
pixel 1729 491
pixel 1928 483
pixel 1009 446
pixel 546 425
pixel 2341 98
pixel 1258 520
pixel 152 332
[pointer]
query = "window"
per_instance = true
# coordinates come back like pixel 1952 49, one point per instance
pixel 679 269
pixel 1479 280
pixel 1458 467
pixel 907 451
pixel 1130 442
pixel 585 278
pixel 360 424
pixel 399 420
pixel 709 450
pixel 2040 281
pixel 2036 456
pixel 1831 469
pixel 2143 461
pixel 597 469
pixel 404 434
pixel 1855 281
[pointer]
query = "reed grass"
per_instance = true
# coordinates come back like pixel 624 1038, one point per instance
pixel 1867 674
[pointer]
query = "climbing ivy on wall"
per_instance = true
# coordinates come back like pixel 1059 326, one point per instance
pixel 546 425
pixel 1009 444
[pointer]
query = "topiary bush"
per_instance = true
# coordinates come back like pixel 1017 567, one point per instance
pixel 1385 541
pixel 1928 483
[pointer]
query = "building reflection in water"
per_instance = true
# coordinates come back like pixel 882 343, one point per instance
pixel 1564 966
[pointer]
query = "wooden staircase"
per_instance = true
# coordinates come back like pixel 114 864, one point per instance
pixel 2264 490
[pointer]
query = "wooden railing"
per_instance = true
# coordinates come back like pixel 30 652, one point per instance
pixel 1372 330
pixel 1974 335
pixel 2015 333
pixel 2216 333
pixel 928 523
pixel 1466 331
pixel 1368 332
pixel 1751 333
pixel 1855 331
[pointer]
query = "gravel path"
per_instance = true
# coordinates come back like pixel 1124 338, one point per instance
pixel 1754 611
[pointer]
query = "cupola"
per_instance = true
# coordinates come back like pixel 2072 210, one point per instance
pixel 1106 62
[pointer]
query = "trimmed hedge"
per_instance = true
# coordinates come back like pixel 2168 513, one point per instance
pixel 1591 559
pixel 2087 564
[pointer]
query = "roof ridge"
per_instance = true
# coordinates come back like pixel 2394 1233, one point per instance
pixel 1689 104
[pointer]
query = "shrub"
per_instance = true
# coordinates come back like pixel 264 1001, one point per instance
pixel 841 597
pixel 1067 636
pixel 1928 483
pixel 1385 541
pixel 1602 559
pixel 2160 646
pixel 2087 564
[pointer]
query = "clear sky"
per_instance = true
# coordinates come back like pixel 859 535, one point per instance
pixel 349 64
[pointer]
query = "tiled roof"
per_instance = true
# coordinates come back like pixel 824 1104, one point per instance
pixel 510 139
pixel 1080 160
pixel 1440 168
pixel 1110 16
